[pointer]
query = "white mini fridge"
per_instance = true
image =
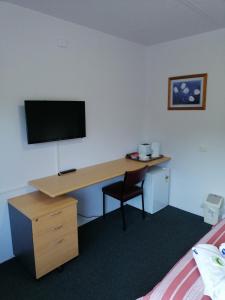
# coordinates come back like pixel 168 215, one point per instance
pixel 156 190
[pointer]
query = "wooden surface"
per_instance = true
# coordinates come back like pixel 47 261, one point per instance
pixel 55 185
pixel 55 254
pixel 37 204
pixel 55 239
pixel 44 231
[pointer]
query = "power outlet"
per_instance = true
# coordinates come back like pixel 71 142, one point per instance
pixel 61 43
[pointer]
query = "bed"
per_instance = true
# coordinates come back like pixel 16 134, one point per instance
pixel 183 281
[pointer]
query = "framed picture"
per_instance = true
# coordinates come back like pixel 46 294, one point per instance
pixel 187 92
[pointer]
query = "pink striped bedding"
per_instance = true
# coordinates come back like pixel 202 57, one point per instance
pixel 183 282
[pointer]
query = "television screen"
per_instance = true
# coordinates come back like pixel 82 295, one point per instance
pixel 54 120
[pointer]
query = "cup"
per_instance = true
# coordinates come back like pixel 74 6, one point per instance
pixel 155 149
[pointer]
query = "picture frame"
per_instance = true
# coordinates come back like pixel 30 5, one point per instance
pixel 187 92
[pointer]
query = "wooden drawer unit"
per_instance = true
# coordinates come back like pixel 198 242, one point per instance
pixel 54 254
pixel 44 231
pixel 55 222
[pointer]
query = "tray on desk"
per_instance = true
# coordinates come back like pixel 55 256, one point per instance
pixel 144 160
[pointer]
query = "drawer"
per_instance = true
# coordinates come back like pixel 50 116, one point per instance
pixel 55 222
pixel 55 253
pixel 43 241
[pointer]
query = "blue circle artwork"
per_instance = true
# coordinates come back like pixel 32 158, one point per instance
pixel 187 92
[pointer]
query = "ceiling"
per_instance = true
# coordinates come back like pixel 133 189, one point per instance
pixel 142 21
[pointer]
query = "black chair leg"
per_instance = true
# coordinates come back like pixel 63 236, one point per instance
pixel 103 205
pixel 143 206
pixel 123 215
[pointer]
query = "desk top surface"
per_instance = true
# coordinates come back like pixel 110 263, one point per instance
pixel 55 185
pixel 36 204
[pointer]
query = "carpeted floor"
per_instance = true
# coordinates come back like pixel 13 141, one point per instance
pixel 113 265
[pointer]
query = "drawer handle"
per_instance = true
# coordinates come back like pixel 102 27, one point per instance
pixel 58 227
pixel 60 241
pixel 56 213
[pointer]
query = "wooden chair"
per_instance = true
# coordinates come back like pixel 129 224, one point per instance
pixel 126 190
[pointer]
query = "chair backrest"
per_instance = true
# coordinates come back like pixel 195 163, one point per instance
pixel 132 178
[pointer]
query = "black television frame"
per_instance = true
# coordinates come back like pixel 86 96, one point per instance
pixel 31 140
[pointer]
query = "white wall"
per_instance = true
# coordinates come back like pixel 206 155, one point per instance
pixel 106 72
pixel 182 133
pixel 110 74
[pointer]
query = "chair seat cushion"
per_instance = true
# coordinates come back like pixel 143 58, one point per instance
pixel 115 190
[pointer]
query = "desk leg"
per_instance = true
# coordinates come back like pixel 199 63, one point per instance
pixel 123 215
pixel 103 205
pixel 143 206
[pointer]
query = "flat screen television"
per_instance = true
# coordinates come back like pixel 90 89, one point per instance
pixel 54 120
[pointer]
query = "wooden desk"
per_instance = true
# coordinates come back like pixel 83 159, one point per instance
pixel 55 185
pixel 44 230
